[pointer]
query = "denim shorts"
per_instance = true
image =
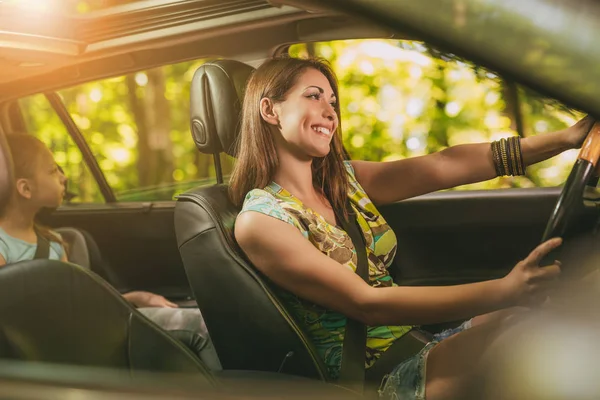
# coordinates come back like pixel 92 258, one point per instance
pixel 407 380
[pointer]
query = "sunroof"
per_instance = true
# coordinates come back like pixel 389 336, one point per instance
pixel 85 6
pixel 77 7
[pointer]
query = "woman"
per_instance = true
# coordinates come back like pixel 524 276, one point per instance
pixel 291 177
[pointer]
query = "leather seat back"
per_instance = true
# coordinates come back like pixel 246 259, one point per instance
pixel 77 248
pixel 58 312
pixel 250 327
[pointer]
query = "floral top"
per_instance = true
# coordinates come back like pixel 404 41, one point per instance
pixel 325 327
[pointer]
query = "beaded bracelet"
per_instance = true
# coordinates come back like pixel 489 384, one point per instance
pixel 507 156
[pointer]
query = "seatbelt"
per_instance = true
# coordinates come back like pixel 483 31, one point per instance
pixel 354 348
pixel 43 247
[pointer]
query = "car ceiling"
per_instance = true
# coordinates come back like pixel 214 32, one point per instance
pixel 140 35
pixel 546 44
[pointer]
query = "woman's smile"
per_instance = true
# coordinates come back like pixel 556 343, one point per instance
pixel 322 131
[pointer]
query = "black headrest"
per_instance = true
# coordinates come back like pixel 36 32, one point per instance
pixel 6 172
pixel 216 98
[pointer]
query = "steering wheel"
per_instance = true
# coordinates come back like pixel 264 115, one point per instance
pixel 571 198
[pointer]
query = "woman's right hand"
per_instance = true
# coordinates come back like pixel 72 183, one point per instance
pixel 528 283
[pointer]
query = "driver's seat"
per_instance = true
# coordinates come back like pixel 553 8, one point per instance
pixel 250 327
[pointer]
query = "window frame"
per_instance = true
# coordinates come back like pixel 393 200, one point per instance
pixel 17 123
pixel 88 157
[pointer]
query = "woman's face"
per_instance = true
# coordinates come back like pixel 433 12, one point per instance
pixel 306 118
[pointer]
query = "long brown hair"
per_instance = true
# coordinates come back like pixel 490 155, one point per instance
pixel 26 151
pixel 256 155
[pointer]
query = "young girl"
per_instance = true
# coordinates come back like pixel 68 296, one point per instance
pixel 291 177
pixel 38 184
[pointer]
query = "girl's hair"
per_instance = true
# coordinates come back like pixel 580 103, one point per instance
pixel 26 151
pixel 256 155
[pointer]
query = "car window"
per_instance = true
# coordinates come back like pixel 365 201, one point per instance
pixel 403 99
pixel 137 126
pixel 42 121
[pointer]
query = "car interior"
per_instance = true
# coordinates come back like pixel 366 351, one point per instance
pixel 184 248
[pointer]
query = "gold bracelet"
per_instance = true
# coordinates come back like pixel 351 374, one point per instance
pixel 513 155
pixel 496 158
pixel 520 161
pixel 504 156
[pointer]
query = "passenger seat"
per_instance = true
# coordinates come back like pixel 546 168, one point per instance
pixel 184 324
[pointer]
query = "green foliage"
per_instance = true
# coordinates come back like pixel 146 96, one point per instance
pixel 403 99
pixel 137 127
pixel 398 98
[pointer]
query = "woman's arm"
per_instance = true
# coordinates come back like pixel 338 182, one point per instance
pixel 293 263
pixel 2 261
pixel 388 182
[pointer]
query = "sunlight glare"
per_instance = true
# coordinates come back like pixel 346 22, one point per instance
pixel 141 79
pixel 541 126
pixel 357 141
pixel 413 143
pixel 569 156
pixel 387 51
pixel 367 67
pixel 96 95
pixel 120 155
pixel 414 107
pixel 550 172
pixel 178 175
pixel 562 372
pixel 37 5
pixel 415 72
pixel 492 98
pixel 453 108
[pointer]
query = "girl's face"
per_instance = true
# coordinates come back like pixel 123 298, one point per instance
pixel 46 188
pixel 307 119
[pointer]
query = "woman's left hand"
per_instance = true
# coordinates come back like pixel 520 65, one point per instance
pixel 577 133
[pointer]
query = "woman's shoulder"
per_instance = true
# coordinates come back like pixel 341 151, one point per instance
pixel 349 168
pixel 261 201
pixel 357 193
pixel 355 185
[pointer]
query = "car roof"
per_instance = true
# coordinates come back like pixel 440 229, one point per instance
pixel 548 45
pixel 64 50
pixel 545 44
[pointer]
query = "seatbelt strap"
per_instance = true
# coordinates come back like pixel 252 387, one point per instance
pixel 354 350
pixel 43 247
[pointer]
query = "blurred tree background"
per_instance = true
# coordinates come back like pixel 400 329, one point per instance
pixel 399 99
pixel 402 99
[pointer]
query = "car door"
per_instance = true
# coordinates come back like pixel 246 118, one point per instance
pixel 459 237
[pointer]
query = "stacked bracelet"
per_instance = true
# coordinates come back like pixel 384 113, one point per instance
pixel 507 156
